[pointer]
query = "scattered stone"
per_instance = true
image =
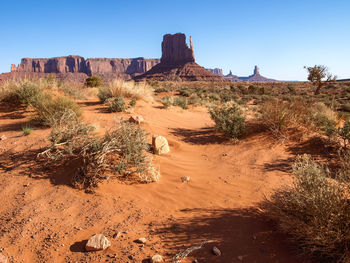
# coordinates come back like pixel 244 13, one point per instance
pixel 141 240
pixel 116 235
pixel 240 258
pixel 3 258
pixel 132 257
pixel 138 119
pixel 185 179
pixel 3 137
pixel 195 261
pixel 156 259
pixel 216 251
pixel 97 242
pixel 160 144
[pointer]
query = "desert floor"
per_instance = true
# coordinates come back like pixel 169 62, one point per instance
pixel 44 219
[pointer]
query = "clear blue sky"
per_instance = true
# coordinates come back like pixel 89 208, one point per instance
pixel 280 36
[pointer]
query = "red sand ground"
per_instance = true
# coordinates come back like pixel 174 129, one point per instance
pixel 44 219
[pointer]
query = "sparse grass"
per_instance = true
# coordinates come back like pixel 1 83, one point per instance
pixel 315 211
pixel 27 130
pixel 229 119
pixel 127 89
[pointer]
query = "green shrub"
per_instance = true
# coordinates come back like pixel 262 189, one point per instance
pixel 93 81
pixel 185 92
pixel 27 130
pixel 167 101
pixel 104 93
pixel 116 104
pixel 229 119
pixel 315 211
pixel 181 102
pixel 132 103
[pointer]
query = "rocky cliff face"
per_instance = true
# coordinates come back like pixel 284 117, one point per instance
pixel 175 50
pixel 177 62
pixel 104 67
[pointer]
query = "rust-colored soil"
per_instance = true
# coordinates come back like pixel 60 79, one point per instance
pixel 44 219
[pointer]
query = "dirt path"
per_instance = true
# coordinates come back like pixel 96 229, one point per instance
pixel 43 219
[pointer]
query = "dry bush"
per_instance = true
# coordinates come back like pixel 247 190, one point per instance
pixel 127 89
pixel 20 92
pixel 48 110
pixel 281 117
pixel 121 151
pixel 315 211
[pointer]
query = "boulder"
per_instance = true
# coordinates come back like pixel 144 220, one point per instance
pixel 216 251
pixel 160 144
pixel 141 240
pixel 156 259
pixel 138 119
pixel 97 242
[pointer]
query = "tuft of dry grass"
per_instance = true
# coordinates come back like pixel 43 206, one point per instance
pixel 127 89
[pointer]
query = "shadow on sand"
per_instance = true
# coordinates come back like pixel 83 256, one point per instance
pixel 241 235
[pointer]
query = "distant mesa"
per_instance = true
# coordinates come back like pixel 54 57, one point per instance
pixel 78 68
pixel 178 63
pixel 256 77
pixel 216 71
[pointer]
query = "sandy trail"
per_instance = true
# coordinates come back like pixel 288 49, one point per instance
pixel 43 219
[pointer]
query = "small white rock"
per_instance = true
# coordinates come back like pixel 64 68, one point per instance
pixel 97 242
pixel 3 137
pixel 240 258
pixel 160 144
pixel 185 179
pixel 3 258
pixel 216 251
pixel 156 259
pixel 138 119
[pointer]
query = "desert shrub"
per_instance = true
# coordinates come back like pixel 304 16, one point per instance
pixel 344 133
pixel 167 101
pixel 315 211
pixel 252 89
pixel 20 92
pixel 181 102
pixel 132 103
pixel 27 130
pixel 127 89
pixel 116 104
pixel 229 119
pixel 276 116
pixel 121 151
pixel 93 81
pixel 185 92
pixel 47 110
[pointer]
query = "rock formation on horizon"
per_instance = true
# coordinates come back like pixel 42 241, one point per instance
pixel 256 77
pixel 177 62
pixel 79 68
pixel 216 71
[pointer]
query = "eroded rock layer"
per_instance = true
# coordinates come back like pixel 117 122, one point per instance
pixel 177 63
pixel 107 68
